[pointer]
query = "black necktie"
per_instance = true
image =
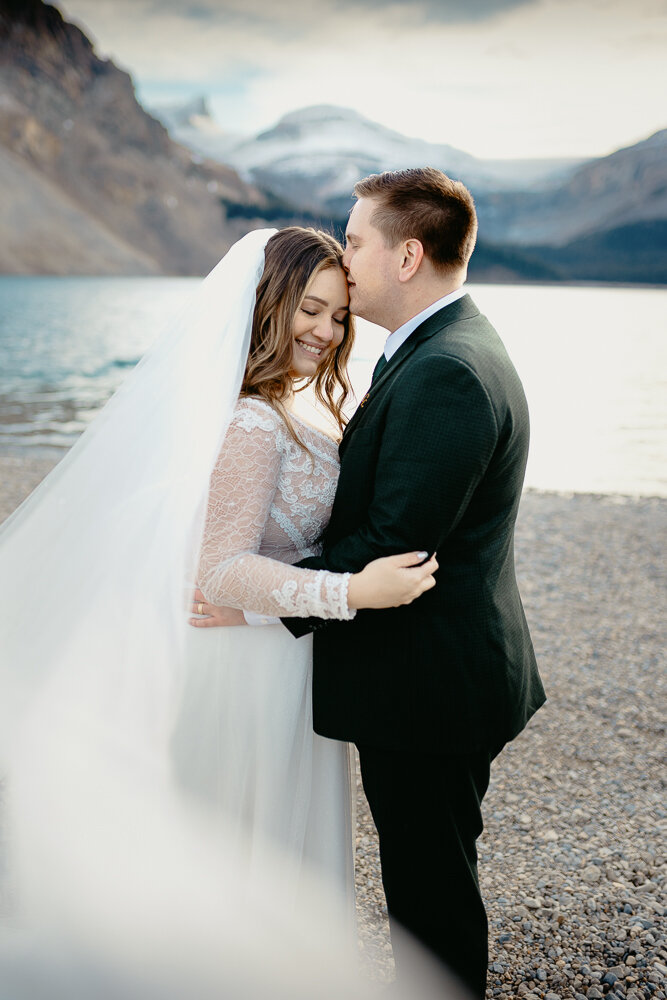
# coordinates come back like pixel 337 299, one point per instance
pixel 381 362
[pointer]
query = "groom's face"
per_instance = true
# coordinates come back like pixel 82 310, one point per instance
pixel 371 266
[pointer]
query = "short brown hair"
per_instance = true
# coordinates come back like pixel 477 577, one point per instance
pixel 291 257
pixel 424 204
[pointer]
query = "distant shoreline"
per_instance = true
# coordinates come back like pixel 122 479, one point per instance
pixel 475 280
pixel 20 474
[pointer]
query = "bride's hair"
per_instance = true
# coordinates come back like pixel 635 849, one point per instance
pixel 292 256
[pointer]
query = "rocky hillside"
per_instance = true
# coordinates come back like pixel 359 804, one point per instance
pixel 92 184
pixel 629 187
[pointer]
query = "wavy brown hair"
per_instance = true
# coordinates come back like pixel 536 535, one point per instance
pixel 292 256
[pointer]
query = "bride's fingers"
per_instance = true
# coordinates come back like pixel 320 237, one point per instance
pixel 408 560
pixel 416 561
pixel 424 571
pixel 427 583
pixel 201 622
pixel 431 565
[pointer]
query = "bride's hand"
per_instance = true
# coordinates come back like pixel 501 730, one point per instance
pixel 391 581
pixel 215 616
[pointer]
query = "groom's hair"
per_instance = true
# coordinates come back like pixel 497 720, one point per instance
pixel 424 204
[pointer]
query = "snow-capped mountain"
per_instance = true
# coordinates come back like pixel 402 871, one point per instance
pixel 315 155
pixel 340 146
pixel 598 219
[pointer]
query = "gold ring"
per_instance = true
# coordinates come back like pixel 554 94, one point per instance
pixel 200 608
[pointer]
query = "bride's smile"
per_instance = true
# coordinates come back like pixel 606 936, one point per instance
pixel 319 322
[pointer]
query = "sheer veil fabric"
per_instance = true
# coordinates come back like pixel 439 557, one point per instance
pixel 93 564
pixel 92 586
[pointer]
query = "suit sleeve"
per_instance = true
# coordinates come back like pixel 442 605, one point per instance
pixel 437 441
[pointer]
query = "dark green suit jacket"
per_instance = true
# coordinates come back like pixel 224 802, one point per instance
pixel 433 460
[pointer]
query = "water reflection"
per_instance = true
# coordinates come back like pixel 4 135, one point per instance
pixel 66 344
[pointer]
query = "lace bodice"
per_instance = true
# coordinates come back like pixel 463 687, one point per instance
pixel 269 501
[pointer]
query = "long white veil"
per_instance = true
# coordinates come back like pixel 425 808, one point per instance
pixel 92 565
pixel 109 878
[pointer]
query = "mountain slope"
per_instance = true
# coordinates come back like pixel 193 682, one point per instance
pixel 44 231
pixel 92 183
pixel 627 187
pixel 636 252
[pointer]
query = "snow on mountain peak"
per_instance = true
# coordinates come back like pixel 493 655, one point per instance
pixel 318 114
pixel 317 153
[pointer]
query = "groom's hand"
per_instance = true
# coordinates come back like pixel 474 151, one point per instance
pixel 214 617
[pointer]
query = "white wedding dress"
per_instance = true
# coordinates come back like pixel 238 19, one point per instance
pixel 244 742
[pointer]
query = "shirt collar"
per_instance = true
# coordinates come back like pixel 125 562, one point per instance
pixel 398 337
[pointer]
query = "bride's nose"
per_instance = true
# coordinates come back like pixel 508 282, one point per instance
pixel 325 329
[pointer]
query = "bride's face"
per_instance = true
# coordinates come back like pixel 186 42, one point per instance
pixel 319 324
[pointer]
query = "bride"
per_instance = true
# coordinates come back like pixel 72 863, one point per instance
pixel 142 754
pixel 244 740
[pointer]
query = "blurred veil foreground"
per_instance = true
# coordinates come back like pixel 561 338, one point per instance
pixel 149 900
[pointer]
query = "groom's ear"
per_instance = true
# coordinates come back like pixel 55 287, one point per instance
pixel 412 256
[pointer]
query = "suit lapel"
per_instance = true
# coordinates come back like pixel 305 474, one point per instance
pixel 463 308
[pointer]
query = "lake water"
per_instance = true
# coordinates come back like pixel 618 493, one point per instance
pixel 593 362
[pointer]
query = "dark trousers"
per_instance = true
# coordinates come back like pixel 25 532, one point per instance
pixel 427 810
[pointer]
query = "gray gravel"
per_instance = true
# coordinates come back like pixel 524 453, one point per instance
pixel 572 859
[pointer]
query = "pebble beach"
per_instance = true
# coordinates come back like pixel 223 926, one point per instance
pixel 572 859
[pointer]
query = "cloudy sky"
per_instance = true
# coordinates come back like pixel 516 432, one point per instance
pixel 497 78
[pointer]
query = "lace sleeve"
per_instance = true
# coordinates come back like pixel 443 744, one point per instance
pixel 231 572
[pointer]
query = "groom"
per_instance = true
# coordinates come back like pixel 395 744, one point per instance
pixel 433 459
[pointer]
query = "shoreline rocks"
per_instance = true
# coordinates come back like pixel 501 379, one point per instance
pixel 572 860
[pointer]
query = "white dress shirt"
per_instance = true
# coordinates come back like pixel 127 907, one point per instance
pixel 398 337
pixel 392 344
